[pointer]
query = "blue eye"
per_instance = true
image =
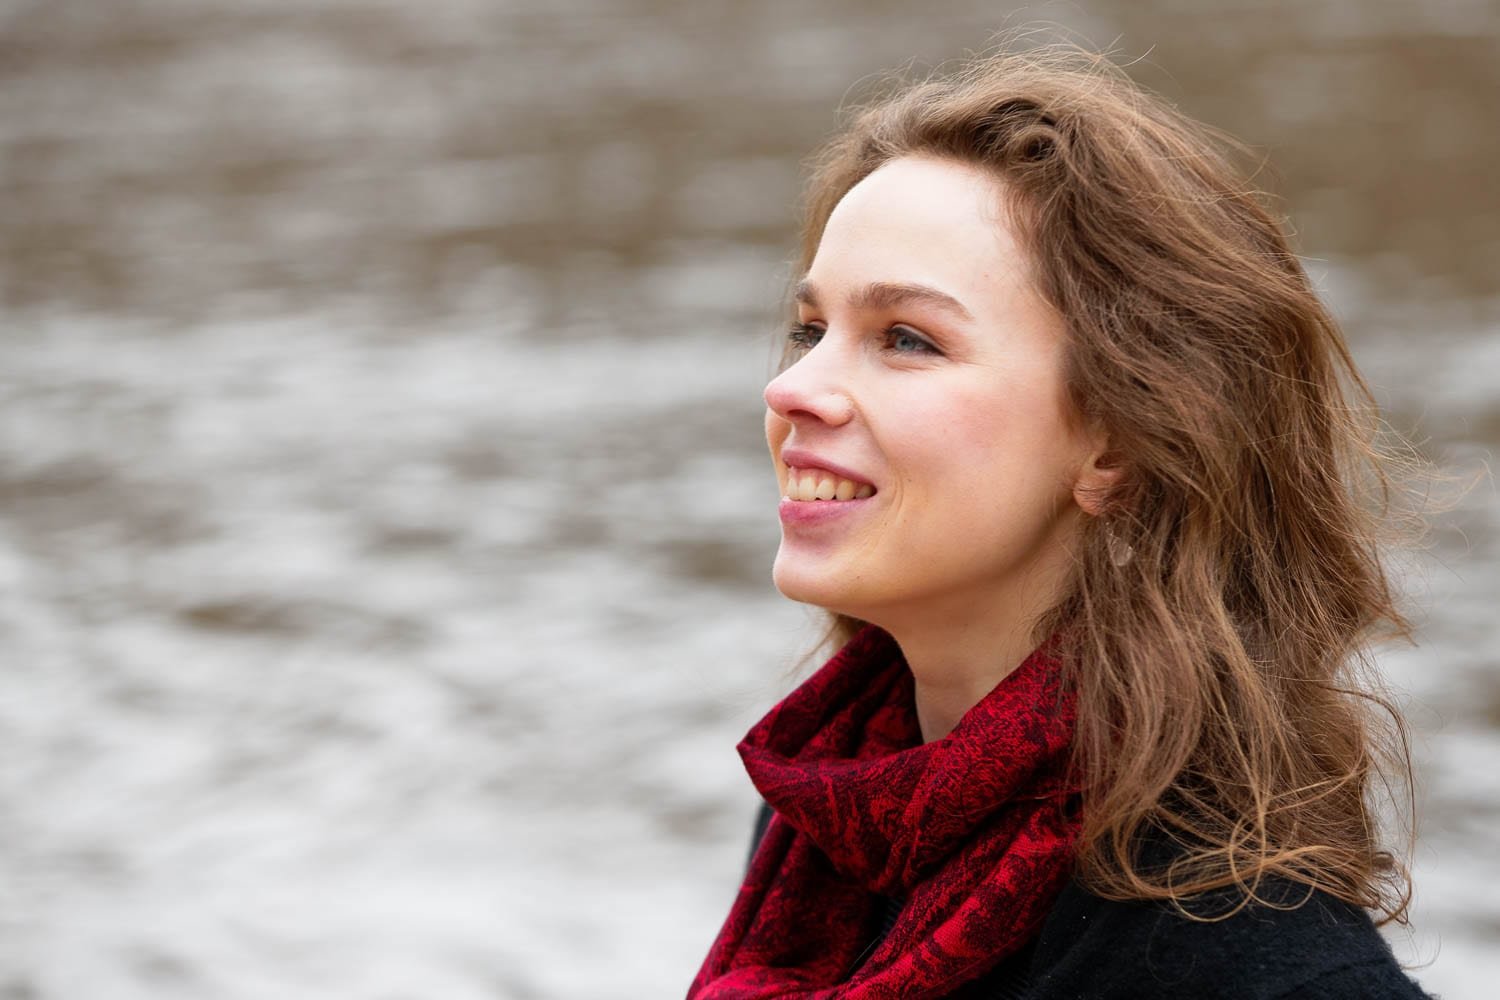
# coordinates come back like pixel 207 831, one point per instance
pixel 802 338
pixel 906 341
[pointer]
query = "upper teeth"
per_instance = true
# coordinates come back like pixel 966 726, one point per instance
pixel 817 484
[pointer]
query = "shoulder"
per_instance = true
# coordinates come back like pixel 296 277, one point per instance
pixel 1311 945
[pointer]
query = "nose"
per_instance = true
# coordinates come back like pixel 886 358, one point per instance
pixel 811 389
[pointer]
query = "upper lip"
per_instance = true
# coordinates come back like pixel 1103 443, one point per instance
pixel 796 458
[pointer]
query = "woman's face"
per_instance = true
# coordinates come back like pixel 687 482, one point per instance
pixel 927 399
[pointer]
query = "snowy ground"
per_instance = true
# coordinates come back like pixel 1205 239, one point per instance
pixel 343 665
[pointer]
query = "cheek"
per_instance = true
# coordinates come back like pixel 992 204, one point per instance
pixel 956 437
pixel 983 451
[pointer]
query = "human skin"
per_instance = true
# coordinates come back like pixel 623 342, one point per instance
pixel 931 370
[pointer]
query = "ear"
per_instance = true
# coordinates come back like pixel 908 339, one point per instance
pixel 1098 479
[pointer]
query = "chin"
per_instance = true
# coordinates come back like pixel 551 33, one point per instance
pixel 817 586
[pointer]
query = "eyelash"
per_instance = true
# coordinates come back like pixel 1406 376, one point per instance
pixel 803 337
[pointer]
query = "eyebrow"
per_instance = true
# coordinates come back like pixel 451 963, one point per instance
pixel 888 294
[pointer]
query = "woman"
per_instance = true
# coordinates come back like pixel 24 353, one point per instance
pixel 1074 456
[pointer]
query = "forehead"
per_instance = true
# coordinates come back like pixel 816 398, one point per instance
pixel 921 219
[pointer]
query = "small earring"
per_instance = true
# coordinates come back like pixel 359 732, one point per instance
pixel 1120 551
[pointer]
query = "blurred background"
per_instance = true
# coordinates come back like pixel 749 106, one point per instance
pixel 384 520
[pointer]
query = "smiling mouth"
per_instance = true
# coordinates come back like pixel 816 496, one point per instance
pixel 818 484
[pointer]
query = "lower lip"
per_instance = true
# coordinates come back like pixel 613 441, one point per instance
pixel 812 513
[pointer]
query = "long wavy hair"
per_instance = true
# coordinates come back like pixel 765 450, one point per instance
pixel 1218 621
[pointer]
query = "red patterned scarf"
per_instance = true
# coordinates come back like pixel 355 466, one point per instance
pixel 974 831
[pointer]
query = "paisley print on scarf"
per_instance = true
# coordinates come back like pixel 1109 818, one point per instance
pixel 975 831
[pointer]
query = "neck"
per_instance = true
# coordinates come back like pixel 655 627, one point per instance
pixel 956 668
pixel 959 650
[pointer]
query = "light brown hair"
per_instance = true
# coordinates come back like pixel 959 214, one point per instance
pixel 1223 699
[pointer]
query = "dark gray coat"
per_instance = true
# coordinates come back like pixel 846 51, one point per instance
pixel 1096 949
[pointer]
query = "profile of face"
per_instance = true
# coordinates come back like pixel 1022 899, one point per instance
pixel 929 462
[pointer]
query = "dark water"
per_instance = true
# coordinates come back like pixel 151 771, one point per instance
pixel 384 530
